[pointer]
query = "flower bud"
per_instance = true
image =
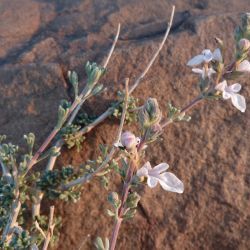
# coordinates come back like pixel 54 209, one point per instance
pixel 128 140
pixel 244 44
pixel 150 113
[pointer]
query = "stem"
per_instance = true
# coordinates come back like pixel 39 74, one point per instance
pixel 125 191
pixel 137 82
pixel 191 104
pixel 115 233
pixel 74 108
pixel 87 177
pixel 16 206
pixel 110 110
pixel 183 110
pixel 42 148
pixel 50 228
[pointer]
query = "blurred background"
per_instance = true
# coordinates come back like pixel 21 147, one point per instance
pixel 40 40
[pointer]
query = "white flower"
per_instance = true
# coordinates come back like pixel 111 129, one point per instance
pixel 231 92
pixel 206 56
pixel 167 180
pixel 203 72
pixel 244 66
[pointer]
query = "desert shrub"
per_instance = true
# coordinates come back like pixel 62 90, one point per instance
pixel 22 188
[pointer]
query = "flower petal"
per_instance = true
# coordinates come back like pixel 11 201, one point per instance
pixel 170 182
pixel 152 181
pixel 226 95
pixel 244 66
pixel 239 102
pixel 159 168
pixel 198 71
pixel 221 86
pixel 147 165
pixel 196 60
pixel 217 55
pixel 128 140
pixel 211 71
pixel 207 55
pixel 236 87
pixel 142 172
pixel 118 144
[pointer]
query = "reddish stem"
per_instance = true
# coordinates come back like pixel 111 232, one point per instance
pixel 191 104
pixel 121 210
pixel 42 148
pixel 49 138
pixel 183 110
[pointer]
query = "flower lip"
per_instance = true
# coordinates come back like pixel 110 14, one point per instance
pixel 231 92
pixel 203 72
pixel 158 174
pixel 206 56
pixel 244 66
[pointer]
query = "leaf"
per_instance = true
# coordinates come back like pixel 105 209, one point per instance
pixel 99 244
pixel 130 214
pixel 110 213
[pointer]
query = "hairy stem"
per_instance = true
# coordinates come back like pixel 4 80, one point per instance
pixel 137 82
pixel 110 110
pixel 183 110
pixel 125 192
pixel 58 145
pixel 15 209
pixel 109 157
pixel 50 228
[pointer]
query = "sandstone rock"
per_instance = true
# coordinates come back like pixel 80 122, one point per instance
pixel 210 154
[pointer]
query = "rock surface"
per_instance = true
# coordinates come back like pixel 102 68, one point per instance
pixel 40 40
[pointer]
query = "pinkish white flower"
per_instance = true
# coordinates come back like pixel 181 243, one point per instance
pixel 206 56
pixel 244 44
pixel 158 174
pixel 128 140
pixel 203 72
pixel 231 92
pixel 244 66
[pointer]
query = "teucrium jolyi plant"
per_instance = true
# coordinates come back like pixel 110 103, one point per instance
pixel 22 188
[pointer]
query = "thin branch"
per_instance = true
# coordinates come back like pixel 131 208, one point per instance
pixel 110 110
pixel 104 66
pixel 183 110
pixel 137 82
pixel 40 229
pixel 59 143
pixel 87 177
pixel 126 187
pixel 6 173
pixel 73 110
pixel 125 107
pixel 15 209
pixel 50 228
pixel 113 46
